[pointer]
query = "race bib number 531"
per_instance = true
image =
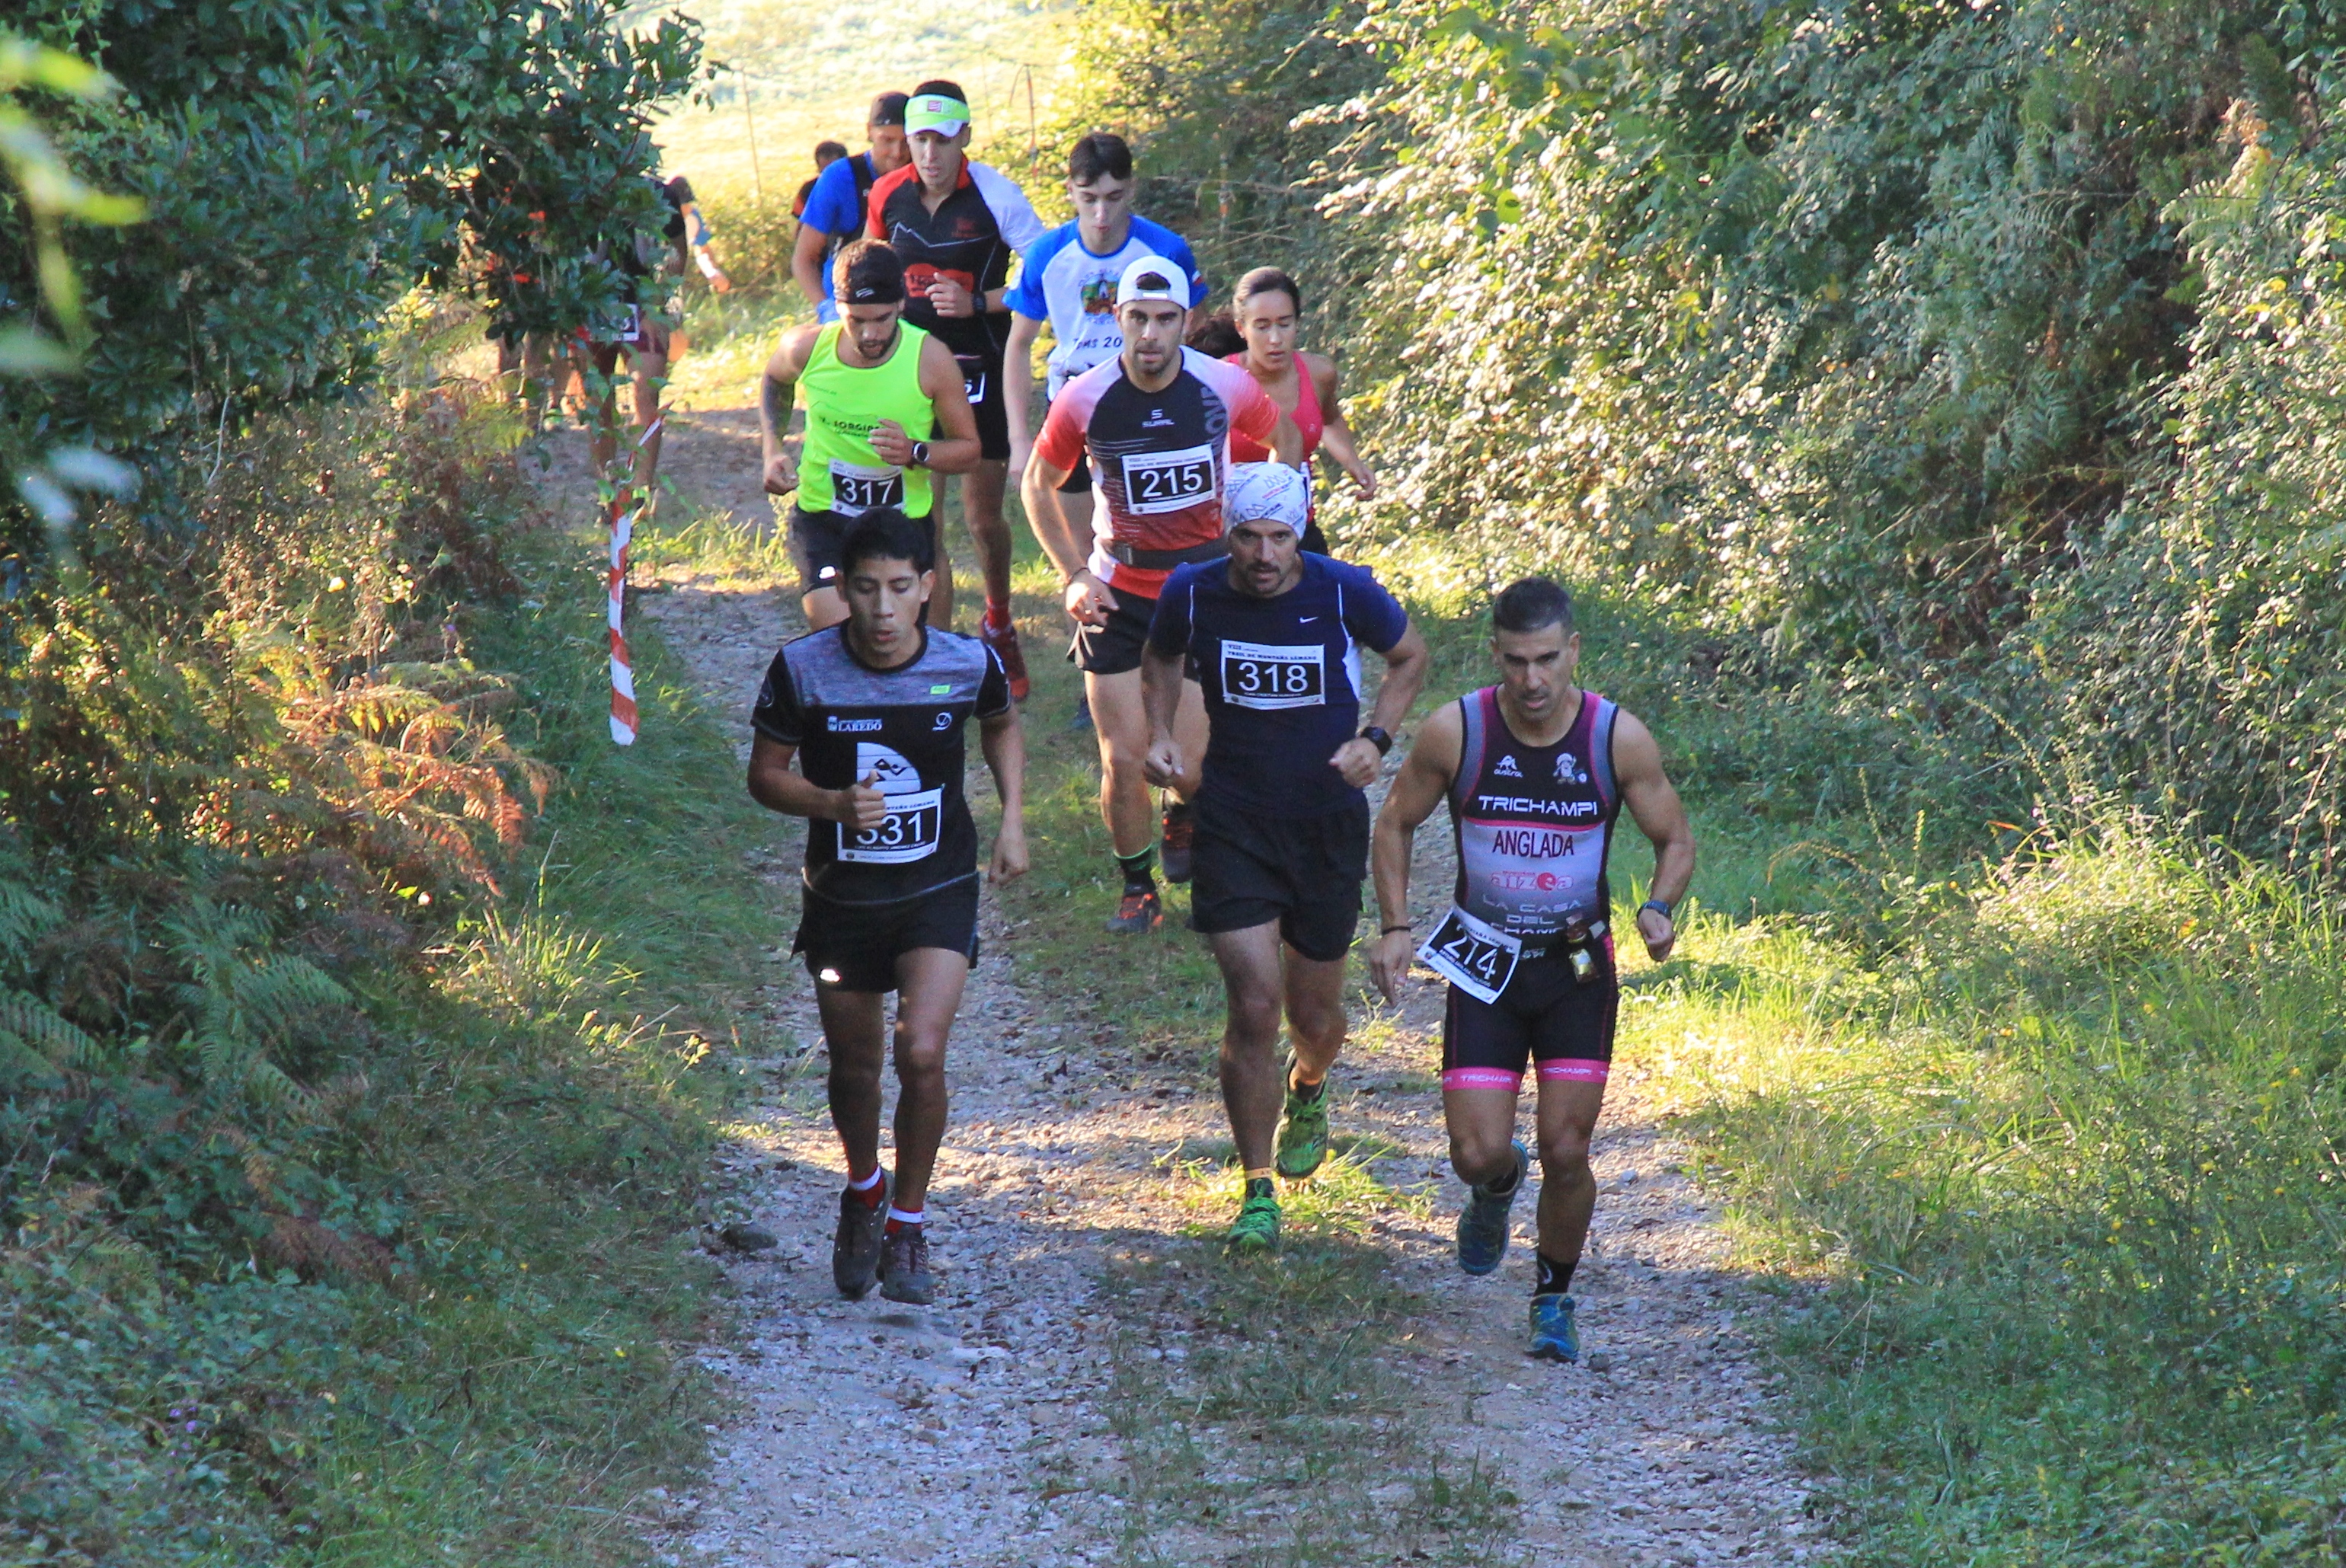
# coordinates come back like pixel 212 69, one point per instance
pixel 1167 480
pixel 909 832
pixel 1476 958
pixel 1274 675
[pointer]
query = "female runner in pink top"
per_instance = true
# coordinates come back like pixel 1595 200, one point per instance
pixel 1268 308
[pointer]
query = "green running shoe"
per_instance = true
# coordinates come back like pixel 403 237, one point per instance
pixel 1553 1337
pixel 1302 1145
pixel 1256 1229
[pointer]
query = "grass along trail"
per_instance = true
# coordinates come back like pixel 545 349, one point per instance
pixel 1097 1382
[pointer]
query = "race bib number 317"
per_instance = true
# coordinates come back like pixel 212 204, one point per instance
pixel 1167 480
pixel 858 487
pixel 1274 675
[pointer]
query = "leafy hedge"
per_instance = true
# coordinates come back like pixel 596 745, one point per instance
pixel 1947 346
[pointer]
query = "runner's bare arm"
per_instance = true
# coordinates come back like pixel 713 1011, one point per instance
pixel 1160 698
pixel 1287 442
pixel 1359 760
pixel 1005 745
pixel 775 393
pixel 778 787
pixel 1424 777
pixel 1661 817
pixel 1088 599
pixel 806 262
pixel 1335 435
pixel 1018 390
pixel 956 447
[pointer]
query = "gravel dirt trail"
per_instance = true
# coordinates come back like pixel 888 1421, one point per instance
pixel 975 1432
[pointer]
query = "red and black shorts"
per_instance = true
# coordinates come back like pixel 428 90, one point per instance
pixel 1545 1016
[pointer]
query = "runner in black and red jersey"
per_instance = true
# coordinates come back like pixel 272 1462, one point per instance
pixel 1157 422
pixel 874 710
pixel 957 224
pixel 1536 771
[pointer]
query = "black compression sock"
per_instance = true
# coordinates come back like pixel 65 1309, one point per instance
pixel 1555 1278
pixel 1140 870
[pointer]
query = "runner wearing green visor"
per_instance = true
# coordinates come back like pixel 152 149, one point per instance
pixel 957 224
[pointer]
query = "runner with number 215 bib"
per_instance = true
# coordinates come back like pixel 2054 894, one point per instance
pixel 1535 770
pixel 1156 422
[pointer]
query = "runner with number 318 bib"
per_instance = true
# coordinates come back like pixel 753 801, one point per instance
pixel 1536 771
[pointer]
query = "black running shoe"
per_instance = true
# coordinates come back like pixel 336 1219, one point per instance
pixel 904 1266
pixel 1137 912
pixel 855 1250
pixel 1180 835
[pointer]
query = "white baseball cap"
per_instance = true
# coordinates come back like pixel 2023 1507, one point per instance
pixel 1163 281
pixel 1270 492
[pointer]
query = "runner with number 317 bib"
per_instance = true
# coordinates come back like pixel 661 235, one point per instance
pixel 1536 771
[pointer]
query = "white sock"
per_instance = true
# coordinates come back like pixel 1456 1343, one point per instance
pixel 900 1218
pixel 879 1174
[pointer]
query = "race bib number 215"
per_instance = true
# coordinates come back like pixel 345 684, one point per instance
pixel 1167 480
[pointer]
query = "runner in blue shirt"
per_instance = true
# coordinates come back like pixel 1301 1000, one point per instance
pixel 1068 279
pixel 1282 825
pixel 836 211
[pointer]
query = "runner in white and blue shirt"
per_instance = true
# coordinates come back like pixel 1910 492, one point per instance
pixel 1068 278
pixel 1282 824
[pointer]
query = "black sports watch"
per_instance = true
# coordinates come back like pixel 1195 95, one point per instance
pixel 1380 738
pixel 919 455
pixel 1658 907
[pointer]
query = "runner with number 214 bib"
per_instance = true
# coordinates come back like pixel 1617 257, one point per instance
pixel 1535 770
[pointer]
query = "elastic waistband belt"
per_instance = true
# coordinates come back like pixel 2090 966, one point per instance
pixel 1165 560
pixel 1563 942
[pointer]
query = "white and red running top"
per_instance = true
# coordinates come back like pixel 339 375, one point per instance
pixel 1160 458
pixel 1534 823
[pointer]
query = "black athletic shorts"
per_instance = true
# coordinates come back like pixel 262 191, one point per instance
pixel 1313 540
pixel 1078 480
pixel 815 539
pixel 981 380
pixel 854 947
pixel 1115 647
pixel 1545 1015
pixel 1247 869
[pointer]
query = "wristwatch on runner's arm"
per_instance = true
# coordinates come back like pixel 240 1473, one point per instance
pixel 919 455
pixel 1658 907
pixel 1379 737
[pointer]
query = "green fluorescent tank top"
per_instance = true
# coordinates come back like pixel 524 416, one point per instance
pixel 838 471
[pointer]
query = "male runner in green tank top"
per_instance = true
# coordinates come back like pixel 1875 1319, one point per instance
pixel 885 411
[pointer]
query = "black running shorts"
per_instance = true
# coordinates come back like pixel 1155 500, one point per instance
pixel 1304 872
pixel 1112 648
pixel 1545 1015
pixel 815 539
pixel 1078 480
pixel 981 380
pixel 854 947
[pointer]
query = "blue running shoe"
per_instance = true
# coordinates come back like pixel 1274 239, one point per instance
pixel 1483 1223
pixel 1554 1338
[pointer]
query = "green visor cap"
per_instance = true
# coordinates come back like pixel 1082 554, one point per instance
pixel 934 112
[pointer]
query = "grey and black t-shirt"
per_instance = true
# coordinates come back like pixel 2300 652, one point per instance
pixel 903 728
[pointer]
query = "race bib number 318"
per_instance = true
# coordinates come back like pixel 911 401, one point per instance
pixel 1274 675
pixel 1169 480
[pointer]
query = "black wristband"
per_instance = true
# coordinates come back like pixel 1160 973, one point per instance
pixel 1658 904
pixel 1382 740
pixel 1404 926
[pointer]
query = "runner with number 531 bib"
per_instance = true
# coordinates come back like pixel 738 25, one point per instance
pixel 1536 771
pixel 1156 422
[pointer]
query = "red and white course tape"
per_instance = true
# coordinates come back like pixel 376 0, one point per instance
pixel 623 669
